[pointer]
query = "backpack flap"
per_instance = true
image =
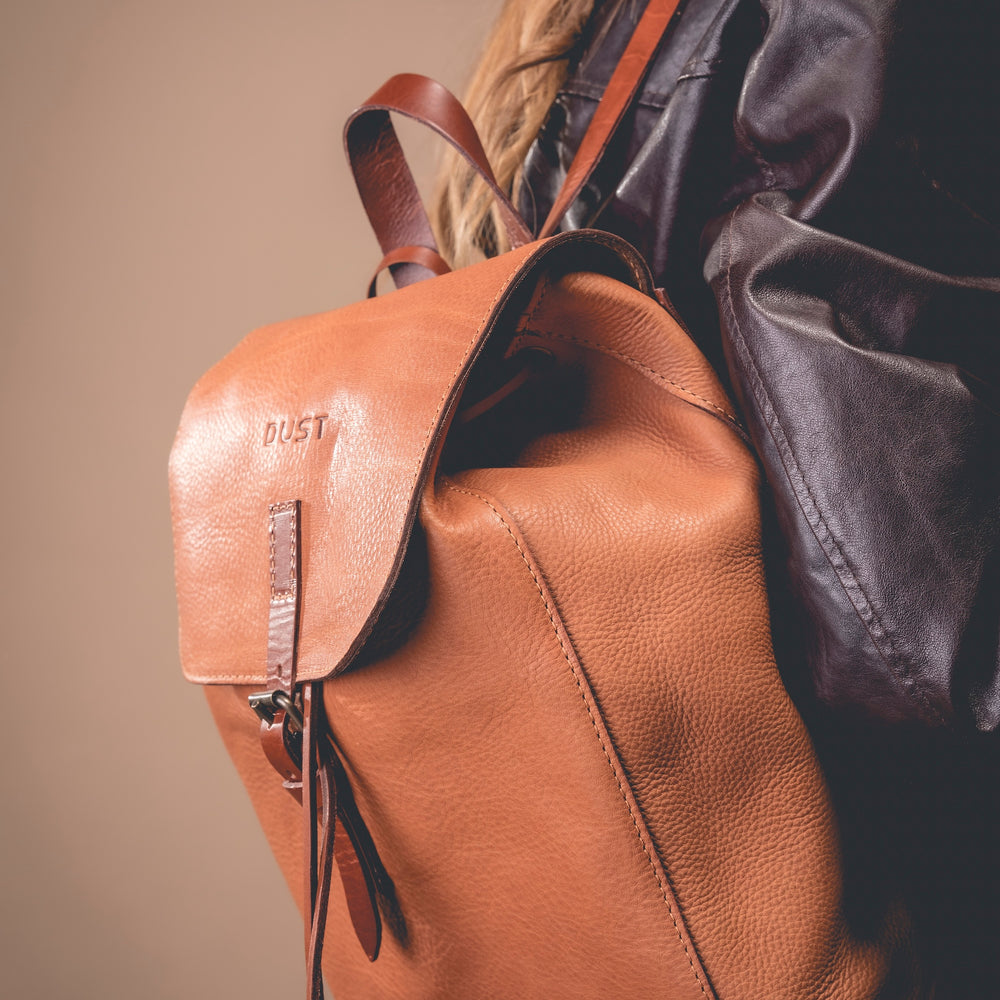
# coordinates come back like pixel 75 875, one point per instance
pixel 339 415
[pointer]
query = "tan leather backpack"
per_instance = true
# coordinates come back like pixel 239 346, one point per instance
pixel 476 566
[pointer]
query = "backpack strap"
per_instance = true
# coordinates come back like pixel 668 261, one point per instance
pixel 385 183
pixel 423 256
pixel 618 97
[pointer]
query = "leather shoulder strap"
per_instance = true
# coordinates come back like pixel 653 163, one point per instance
pixel 618 97
pixel 388 191
pixel 387 188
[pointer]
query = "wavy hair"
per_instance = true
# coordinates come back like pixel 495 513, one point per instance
pixel 525 60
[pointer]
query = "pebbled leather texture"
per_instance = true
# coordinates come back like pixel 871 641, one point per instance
pixel 827 172
pixel 564 729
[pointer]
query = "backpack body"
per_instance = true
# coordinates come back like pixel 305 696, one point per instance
pixel 529 587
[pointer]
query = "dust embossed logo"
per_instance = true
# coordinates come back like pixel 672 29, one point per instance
pixel 297 430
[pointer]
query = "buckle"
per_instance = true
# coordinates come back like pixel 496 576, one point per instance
pixel 267 704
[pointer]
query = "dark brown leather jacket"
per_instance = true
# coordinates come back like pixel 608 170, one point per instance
pixel 814 186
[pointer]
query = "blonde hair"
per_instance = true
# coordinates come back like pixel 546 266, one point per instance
pixel 524 62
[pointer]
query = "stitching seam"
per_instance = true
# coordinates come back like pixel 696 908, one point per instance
pixel 280 508
pixel 271 544
pixel 451 382
pixel 576 671
pixel 634 362
pixel 526 321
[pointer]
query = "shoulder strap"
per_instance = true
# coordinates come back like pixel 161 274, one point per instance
pixel 387 188
pixel 388 191
pixel 618 97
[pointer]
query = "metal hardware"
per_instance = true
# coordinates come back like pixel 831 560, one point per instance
pixel 267 704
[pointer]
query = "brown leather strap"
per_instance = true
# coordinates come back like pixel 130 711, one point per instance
pixel 283 563
pixel 318 819
pixel 279 726
pixel 324 857
pixel 326 798
pixel 386 186
pixel 360 868
pixel 423 257
pixel 385 183
pixel 310 862
pixel 618 96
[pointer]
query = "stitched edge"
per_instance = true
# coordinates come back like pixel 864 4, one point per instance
pixel 529 318
pixel 479 331
pixel 271 545
pixel 525 328
pixel 289 506
pixel 634 363
pixel 465 357
pixel 574 665
pixel 873 624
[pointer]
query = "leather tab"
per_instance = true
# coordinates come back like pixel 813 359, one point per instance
pixel 430 260
pixel 281 744
pixel 282 624
pixel 281 748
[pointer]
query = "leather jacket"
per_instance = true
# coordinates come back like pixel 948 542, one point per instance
pixel 813 185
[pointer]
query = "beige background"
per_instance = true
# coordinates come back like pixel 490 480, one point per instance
pixel 171 176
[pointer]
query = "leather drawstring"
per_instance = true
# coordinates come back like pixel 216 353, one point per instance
pixel 319 814
pixel 321 785
pixel 361 871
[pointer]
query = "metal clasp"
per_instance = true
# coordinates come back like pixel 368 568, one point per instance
pixel 267 704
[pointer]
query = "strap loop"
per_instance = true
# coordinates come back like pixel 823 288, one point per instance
pixel 423 257
pixel 385 183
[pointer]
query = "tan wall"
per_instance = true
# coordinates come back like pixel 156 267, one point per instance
pixel 171 176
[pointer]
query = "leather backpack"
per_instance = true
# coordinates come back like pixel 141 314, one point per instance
pixel 476 568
